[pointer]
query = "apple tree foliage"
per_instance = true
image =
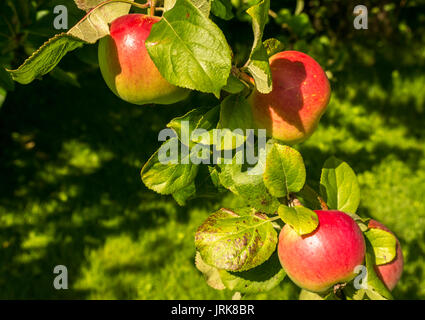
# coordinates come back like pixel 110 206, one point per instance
pixel 236 248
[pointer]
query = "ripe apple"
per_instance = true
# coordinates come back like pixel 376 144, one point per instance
pixel 127 67
pixel 325 257
pixel 389 273
pixel 300 95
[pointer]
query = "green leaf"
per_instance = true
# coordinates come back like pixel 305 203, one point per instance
pixel 339 186
pixel 361 222
pixel 200 118
pixel 87 5
pixel 182 195
pixel 308 295
pixel 301 219
pixel 214 174
pixel 191 119
pixel 95 24
pixel 3 94
pixel 234 85
pixel 6 81
pixel 259 279
pixel 211 274
pixel 383 244
pixel 236 241
pixel 203 5
pixel 168 178
pixel 376 289
pixel 352 293
pixel 209 120
pixel 225 138
pixel 222 9
pixel 169 4
pixel 92 27
pixel 273 46
pixel 45 58
pixel 189 50
pixel 235 113
pixel 250 187
pixel 258 62
pixel 285 171
pixel 309 198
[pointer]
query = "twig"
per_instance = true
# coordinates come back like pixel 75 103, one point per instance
pixel 272 14
pixel 293 201
pixel 152 10
pixel 242 76
pixel 322 203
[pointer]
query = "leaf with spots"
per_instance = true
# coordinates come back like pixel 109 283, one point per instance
pixel 236 240
pixel 273 46
pixel 211 274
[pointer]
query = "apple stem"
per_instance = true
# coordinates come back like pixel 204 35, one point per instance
pixel 152 9
pixel 242 76
pixel 293 201
pixel 338 290
pixel 323 203
pixel 274 218
pixel 272 14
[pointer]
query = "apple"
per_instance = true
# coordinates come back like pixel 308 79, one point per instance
pixel 300 95
pixel 127 67
pixel 389 273
pixel 325 257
